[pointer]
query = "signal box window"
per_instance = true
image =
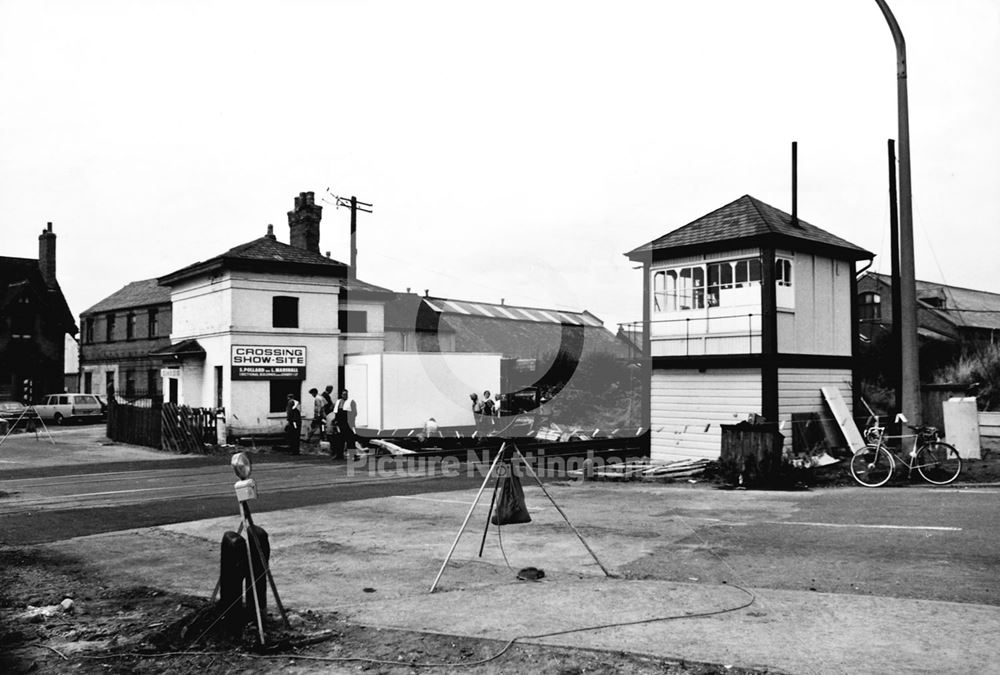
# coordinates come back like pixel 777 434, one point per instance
pixel 285 312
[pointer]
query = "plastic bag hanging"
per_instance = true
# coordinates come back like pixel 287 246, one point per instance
pixel 511 508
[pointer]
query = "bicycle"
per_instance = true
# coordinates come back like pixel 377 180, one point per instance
pixel 937 462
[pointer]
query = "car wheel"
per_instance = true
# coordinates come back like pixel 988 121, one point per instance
pixel 58 419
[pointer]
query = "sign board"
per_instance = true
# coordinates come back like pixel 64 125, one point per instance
pixel 843 416
pixel 268 362
pixel 170 372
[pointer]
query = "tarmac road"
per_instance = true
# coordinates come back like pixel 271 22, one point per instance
pixel 845 579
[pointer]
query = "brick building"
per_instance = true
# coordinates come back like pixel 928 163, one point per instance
pixel 118 335
pixel 34 323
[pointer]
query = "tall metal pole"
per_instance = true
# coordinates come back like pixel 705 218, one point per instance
pixel 895 346
pixel 909 359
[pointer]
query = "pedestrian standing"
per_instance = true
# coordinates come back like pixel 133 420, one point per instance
pixel 293 423
pixel 345 411
pixel 316 406
pixel 488 411
pixel 477 411
pixel 327 397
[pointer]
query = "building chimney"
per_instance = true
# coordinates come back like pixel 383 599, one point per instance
pixel 501 300
pixel 795 184
pixel 47 256
pixel 304 222
pixel 270 232
pixel 427 292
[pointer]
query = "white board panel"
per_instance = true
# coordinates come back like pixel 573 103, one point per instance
pixel 687 408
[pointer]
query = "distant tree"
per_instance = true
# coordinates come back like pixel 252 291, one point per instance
pixel 602 392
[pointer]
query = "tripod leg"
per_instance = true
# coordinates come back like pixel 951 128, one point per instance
pixel 489 515
pixel 253 589
pixel 575 531
pixel 267 569
pixel 467 517
pixel 44 426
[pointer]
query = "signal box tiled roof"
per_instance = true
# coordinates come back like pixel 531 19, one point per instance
pixel 142 293
pixel 746 220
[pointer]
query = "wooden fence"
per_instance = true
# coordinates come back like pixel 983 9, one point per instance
pixel 989 424
pixel 162 425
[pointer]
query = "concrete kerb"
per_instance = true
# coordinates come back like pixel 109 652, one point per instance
pixel 330 558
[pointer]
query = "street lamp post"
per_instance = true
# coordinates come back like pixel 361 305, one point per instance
pixel 907 320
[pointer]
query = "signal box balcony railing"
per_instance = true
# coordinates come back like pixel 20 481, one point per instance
pixel 701 333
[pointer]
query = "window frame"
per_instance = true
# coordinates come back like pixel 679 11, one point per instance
pixel 284 311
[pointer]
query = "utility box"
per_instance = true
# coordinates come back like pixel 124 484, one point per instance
pixel 961 424
pixel 751 454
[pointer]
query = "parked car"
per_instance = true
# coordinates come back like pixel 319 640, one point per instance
pixel 61 408
pixel 14 414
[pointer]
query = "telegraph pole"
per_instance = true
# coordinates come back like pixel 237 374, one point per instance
pixel 909 358
pixel 354 205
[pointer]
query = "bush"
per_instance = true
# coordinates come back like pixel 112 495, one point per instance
pixel 979 364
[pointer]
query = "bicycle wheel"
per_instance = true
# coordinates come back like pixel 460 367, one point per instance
pixel 872 466
pixel 938 463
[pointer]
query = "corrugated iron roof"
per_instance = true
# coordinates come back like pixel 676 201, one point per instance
pixel 965 307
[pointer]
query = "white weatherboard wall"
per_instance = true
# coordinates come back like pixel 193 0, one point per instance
pixel 687 407
pixel 799 392
pixel 820 322
pixel 403 390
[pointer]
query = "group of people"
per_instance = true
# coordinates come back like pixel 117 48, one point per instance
pixel 332 420
pixel 485 411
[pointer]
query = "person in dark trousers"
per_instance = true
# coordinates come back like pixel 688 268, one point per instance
pixel 327 398
pixel 293 425
pixel 477 411
pixel 345 411
pixel 316 424
pixel 488 412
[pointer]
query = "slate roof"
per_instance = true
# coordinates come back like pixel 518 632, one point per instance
pixel 18 274
pixel 136 294
pixel 965 307
pixel 748 218
pixel 264 254
pixel 357 287
pixel 187 347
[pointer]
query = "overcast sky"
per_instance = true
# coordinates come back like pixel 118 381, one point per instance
pixel 511 149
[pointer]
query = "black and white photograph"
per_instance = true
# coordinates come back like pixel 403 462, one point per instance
pixel 499 337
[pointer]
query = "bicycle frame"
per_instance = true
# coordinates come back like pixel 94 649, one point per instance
pixel 875 435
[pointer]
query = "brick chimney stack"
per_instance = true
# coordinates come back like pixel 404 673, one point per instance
pixel 304 222
pixel 47 256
